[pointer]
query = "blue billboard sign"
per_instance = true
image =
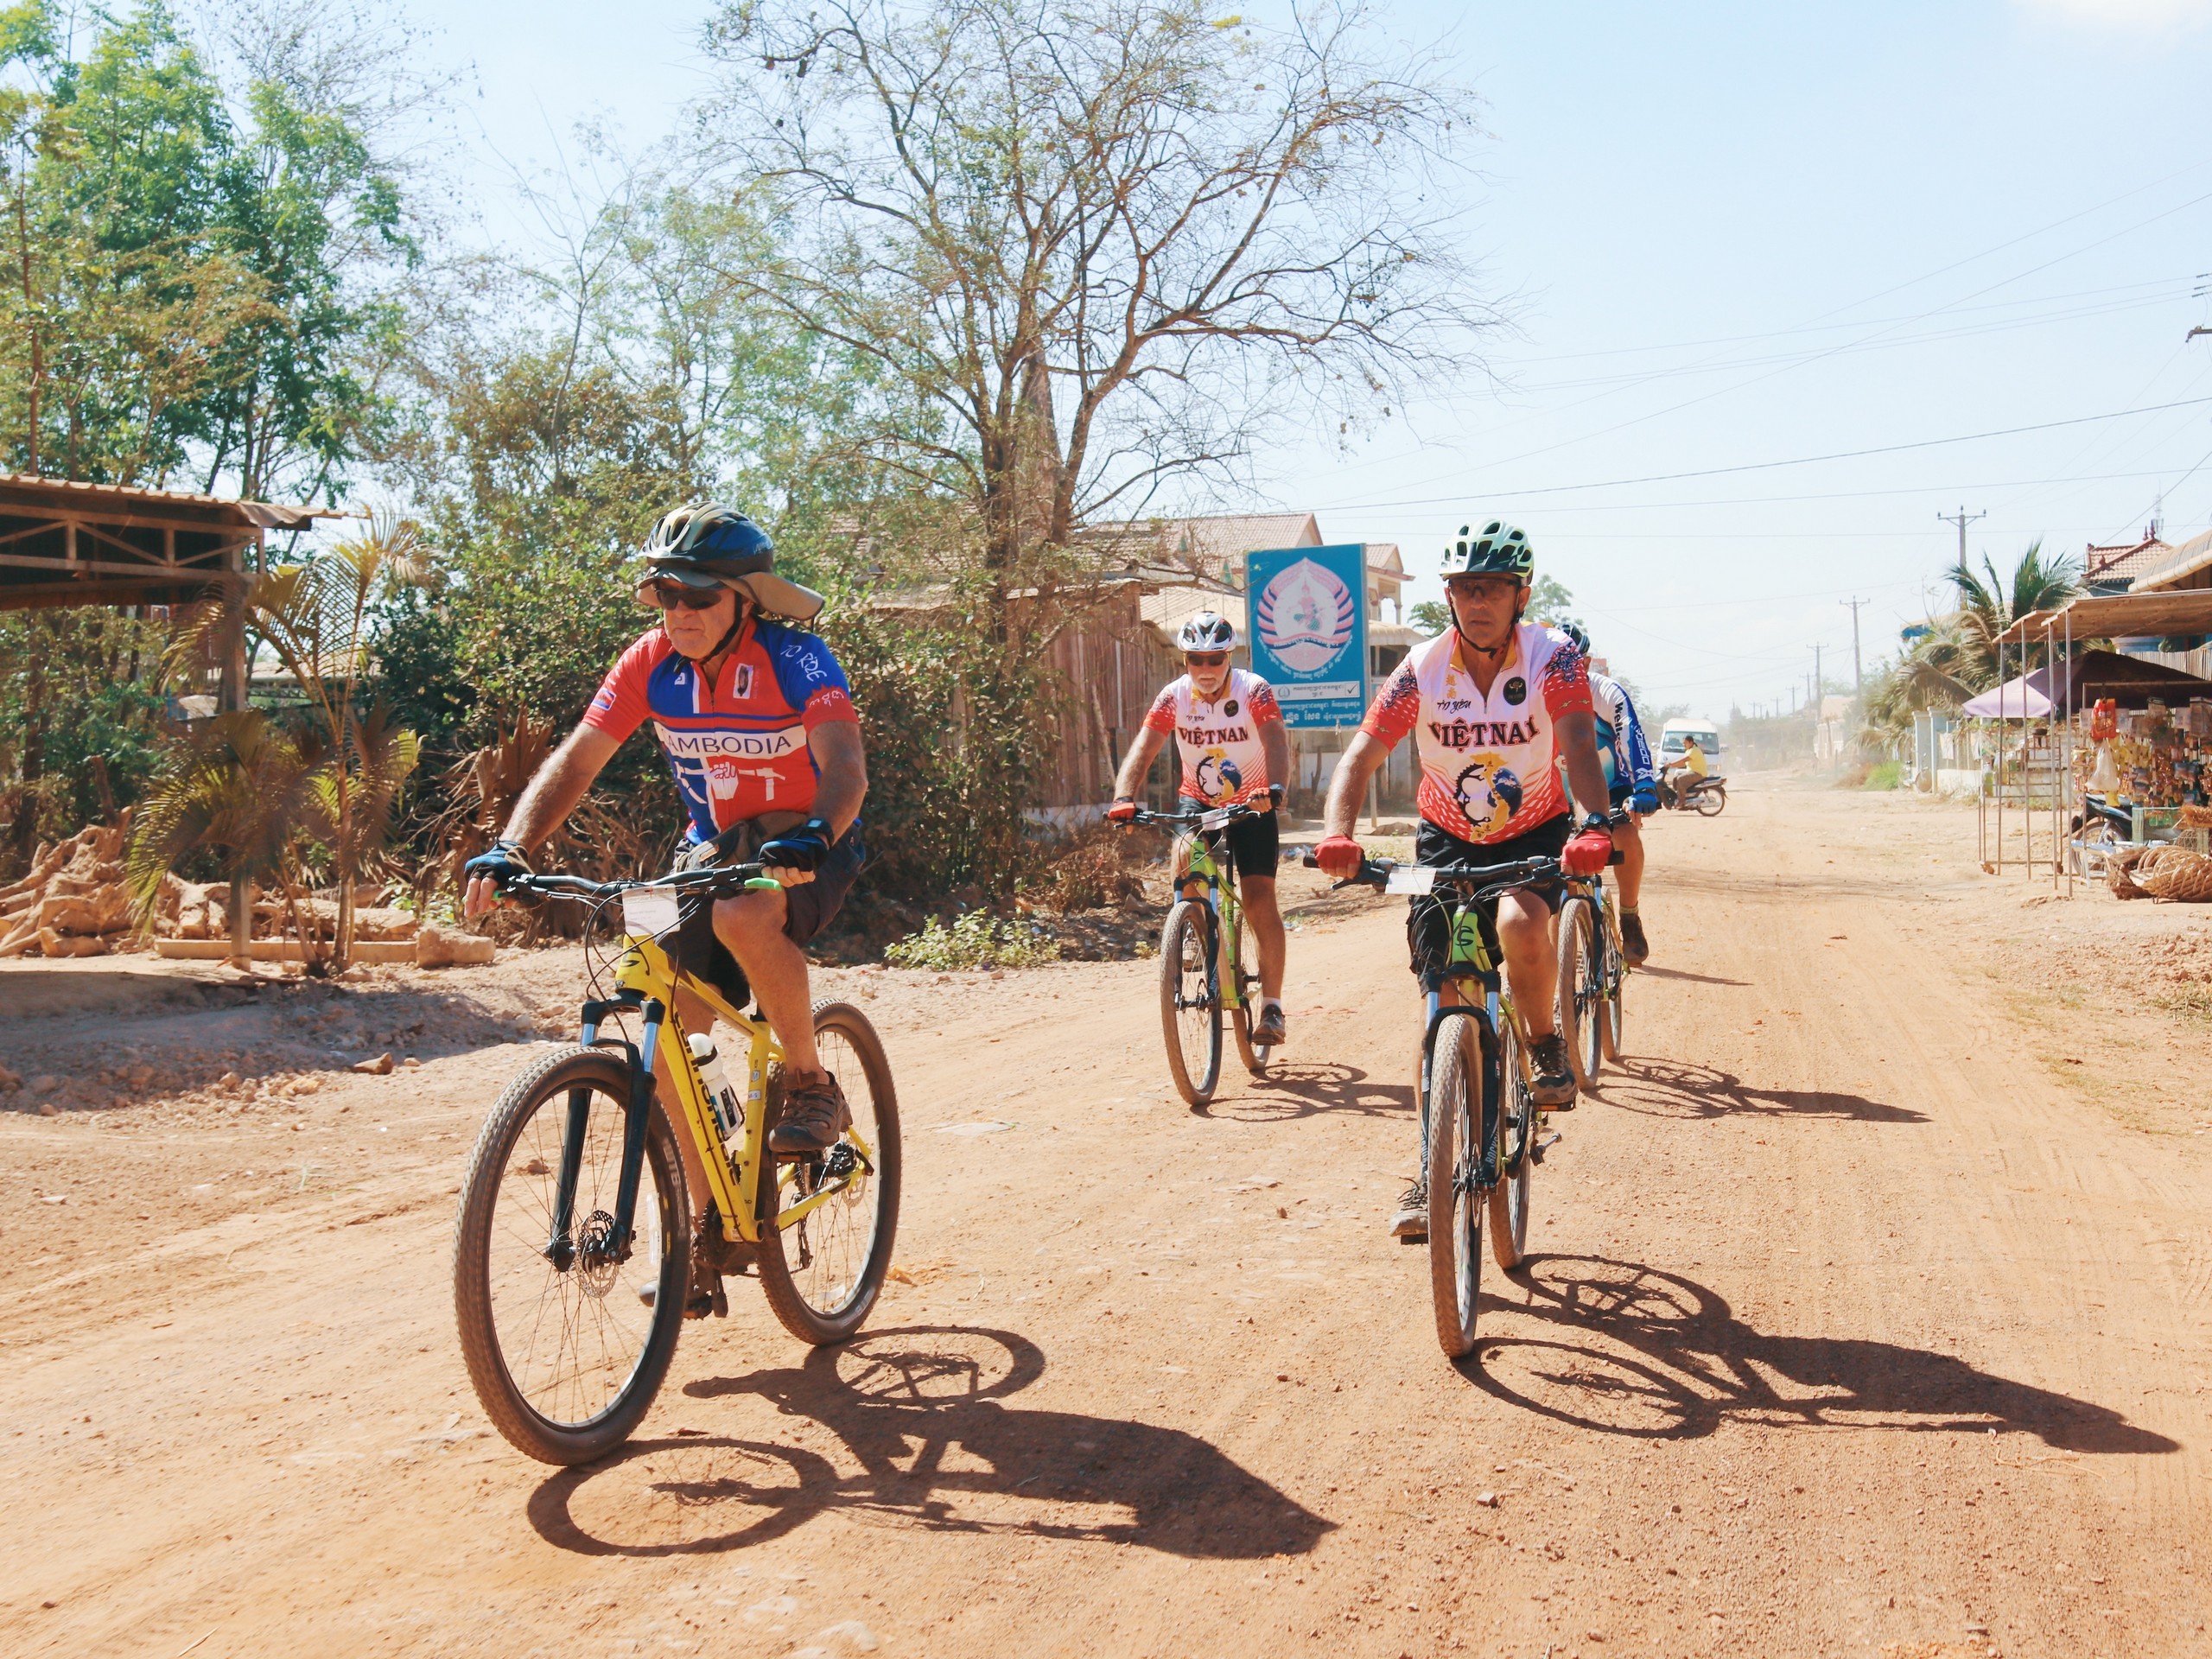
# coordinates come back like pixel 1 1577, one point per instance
pixel 1309 609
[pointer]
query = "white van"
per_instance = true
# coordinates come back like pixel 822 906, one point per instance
pixel 1708 733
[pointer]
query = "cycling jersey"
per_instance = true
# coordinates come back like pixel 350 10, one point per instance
pixel 737 747
pixel 1621 747
pixel 1486 763
pixel 1223 760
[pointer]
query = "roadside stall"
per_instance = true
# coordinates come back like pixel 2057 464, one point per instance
pixel 2115 751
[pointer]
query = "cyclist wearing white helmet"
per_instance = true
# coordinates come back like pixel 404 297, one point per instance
pixel 1494 704
pixel 1229 733
pixel 761 733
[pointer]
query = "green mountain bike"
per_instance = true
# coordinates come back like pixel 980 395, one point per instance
pixel 1592 974
pixel 1204 948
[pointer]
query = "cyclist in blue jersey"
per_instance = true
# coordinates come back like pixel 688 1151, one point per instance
pixel 1632 783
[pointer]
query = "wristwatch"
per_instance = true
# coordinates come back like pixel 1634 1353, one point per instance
pixel 1598 822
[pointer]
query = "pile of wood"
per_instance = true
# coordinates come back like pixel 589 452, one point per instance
pixel 73 902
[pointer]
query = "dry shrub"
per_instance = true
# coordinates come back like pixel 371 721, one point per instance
pixel 1097 868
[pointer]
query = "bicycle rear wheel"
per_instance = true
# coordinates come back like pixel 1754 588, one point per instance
pixel 1455 1196
pixel 1580 1012
pixel 1519 1123
pixel 1254 1055
pixel 1614 1022
pixel 822 1273
pixel 566 1340
pixel 1190 1000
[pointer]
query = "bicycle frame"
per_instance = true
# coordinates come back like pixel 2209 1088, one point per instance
pixel 646 980
pixel 1469 964
pixel 1219 895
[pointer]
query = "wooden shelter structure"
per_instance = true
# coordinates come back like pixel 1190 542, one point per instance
pixel 2096 674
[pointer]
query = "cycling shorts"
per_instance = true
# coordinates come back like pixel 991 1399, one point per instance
pixel 1428 922
pixel 1255 844
pixel 808 908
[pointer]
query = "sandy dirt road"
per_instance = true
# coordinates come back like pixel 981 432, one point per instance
pixel 1853 1328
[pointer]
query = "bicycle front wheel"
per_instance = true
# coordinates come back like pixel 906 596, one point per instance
pixel 1254 1055
pixel 567 1331
pixel 822 1273
pixel 1519 1124
pixel 1578 997
pixel 1190 1003
pixel 1455 1193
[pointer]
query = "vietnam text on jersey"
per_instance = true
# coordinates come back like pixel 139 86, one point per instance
pixel 1219 742
pixel 737 747
pixel 1486 763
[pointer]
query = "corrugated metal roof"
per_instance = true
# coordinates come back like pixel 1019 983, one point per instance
pixel 116 497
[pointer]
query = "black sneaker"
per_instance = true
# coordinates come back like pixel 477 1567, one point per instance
pixel 814 1115
pixel 1634 947
pixel 1410 1221
pixel 1555 1082
pixel 1267 1031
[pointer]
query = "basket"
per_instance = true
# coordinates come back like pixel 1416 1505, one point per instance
pixel 2174 873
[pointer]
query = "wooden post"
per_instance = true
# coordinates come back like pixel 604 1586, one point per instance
pixel 235 671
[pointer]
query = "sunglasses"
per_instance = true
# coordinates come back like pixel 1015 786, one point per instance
pixel 1206 658
pixel 678 596
pixel 1469 586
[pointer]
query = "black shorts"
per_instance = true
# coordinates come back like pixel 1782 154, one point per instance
pixel 1255 844
pixel 808 908
pixel 1428 922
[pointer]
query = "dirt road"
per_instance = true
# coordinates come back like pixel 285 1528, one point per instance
pixel 1856 1326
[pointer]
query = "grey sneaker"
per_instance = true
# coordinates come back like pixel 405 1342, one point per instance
pixel 1554 1084
pixel 814 1115
pixel 1410 1220
pixel 1267 1031
pixel 1635 949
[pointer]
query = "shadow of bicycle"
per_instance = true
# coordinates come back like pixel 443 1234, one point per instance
pixel 923 1412
pixel 1626 1349
pixel 1664 1088
pixel 1287 1092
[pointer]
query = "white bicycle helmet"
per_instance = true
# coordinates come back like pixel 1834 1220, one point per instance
pixel 1207 631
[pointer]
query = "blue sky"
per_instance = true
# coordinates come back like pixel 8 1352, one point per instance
pixel 1739 234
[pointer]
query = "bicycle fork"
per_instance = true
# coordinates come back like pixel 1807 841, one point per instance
pixel 613 1242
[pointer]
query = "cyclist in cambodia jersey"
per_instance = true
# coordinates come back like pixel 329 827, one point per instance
pixel 738 745
pixel 1486 761
pixel 1217 739
pixel 1634 784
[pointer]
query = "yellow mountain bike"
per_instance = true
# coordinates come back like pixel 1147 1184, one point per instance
pixel 574 1258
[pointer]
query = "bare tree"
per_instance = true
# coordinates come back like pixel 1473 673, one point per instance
pixel 1108 244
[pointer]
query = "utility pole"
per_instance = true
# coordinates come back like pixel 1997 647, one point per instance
pixel 1962 520
pixel 1857 674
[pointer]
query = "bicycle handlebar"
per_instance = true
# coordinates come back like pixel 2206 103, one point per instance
pixel 1214 818
pixel 1500 878
pixel 708 879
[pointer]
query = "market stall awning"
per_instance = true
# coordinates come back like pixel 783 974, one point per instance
pixel 72 543
pixel 2131 682
pixel 2121 615
pixel 2014 700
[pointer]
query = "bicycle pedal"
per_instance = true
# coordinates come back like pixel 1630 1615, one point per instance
pixel 1543 1146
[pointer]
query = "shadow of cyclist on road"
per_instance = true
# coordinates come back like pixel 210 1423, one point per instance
pixel 1662 1088
pixel 1628 1349
pixel 924 1411
pixel 1292 1089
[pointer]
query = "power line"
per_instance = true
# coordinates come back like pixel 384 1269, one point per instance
pixel 1768 466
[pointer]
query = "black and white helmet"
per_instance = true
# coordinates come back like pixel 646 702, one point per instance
pixel 1207 631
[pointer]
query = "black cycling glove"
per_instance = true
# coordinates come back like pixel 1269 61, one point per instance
pixel 803 848
pixel 502 864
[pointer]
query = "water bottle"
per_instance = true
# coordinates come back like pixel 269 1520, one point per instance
pixel 728 1114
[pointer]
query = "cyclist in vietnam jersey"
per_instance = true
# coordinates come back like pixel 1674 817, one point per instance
pixel 1630 782
pixel 1230 734
pixel 1492 702
pixel 760 730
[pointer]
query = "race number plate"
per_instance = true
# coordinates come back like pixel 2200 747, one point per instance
pixel 647 912
pixel 1414 880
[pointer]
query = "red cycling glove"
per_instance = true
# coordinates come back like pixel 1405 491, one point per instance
pixel 1587 854
pixel 1122 811
pixel 1340 857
